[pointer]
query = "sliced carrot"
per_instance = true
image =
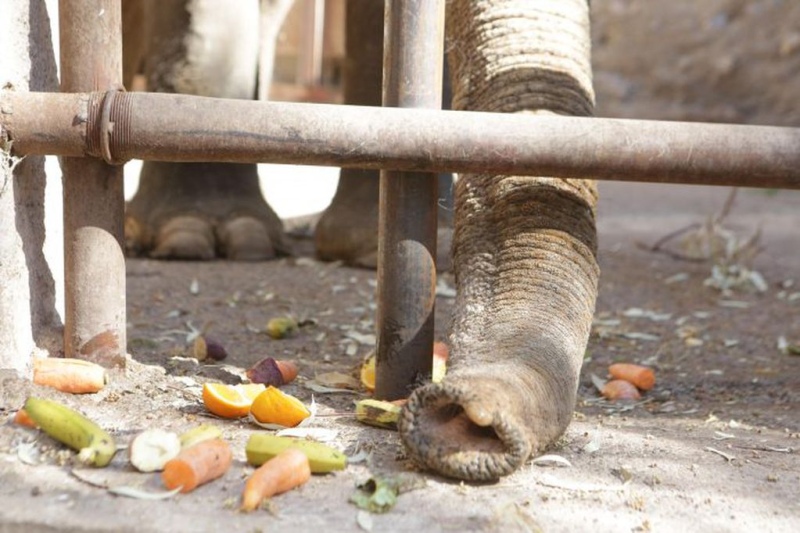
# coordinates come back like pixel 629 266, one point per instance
pixel 285 471
pixel 22 418
pixel 641 376
pixel 203 462
pixel 69 375
pixel 619 389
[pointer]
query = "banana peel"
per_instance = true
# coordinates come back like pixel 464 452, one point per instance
pixel 95 446
pixel 378 413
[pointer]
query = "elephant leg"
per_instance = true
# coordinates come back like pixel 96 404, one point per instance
pixel 201 210
pixel 524 252
pixel 348 229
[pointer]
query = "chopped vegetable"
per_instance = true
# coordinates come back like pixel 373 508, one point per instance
pixel 21 418
pixel 644 378
pixel 150 450
pixel 378 413
pixel 269 371
pixel 285 471
pixel 262 447
pixel 205 461
pixel 69 375
pixel 619 389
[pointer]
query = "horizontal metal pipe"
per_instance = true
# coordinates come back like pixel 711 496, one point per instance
pixel 170 127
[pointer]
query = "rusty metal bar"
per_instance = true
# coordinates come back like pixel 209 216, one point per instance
pixel 172 127
pixel 412 77
pixel 94 262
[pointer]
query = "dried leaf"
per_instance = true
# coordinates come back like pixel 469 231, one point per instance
pixel 379 493
pixel 551 460
pixel 364 520
pixel 367 339
pixel 639 336
pixel 726 456
pixel 598 382
pixel 139 494
pixel 317 434
pixel 337 380
pixel 321 389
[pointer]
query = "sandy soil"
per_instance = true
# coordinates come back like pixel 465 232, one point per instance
pixel 714 447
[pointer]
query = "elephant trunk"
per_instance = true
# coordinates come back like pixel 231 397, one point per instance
pixel 524 252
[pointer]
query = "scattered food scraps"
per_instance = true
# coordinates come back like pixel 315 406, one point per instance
pixel 276 408
pixel 286 471
pixel 193 466
pixel 66 374
pixel 642 377
pixel 150 450
pixel 95 446
pixel 282 327
pixel 205 348
pixel 261 447
pixel 230 401
pixel 378 413
pixel 619 389
pixel 270 371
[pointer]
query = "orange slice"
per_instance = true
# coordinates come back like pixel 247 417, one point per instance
pixel 368 372
pixel 230 401
pixel 274 406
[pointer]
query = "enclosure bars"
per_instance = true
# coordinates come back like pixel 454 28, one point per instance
pixel 175 127
pixel 412 77
pixel 94 261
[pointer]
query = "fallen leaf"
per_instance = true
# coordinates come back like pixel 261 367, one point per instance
pixel 367 339
pixel 379 493
pixel 551 460
pixel 322 389
pixel 139 494
pixel 364 520
pixel 635 335
pixel 337 380
pixel 317 434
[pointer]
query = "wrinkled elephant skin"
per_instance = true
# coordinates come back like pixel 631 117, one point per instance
pixel 524 253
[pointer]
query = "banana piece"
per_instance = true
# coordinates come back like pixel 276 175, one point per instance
pixel 95 446
pixel 199 433
pixel 262 447
pixel 378 413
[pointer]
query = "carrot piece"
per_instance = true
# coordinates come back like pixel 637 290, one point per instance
pixel 619 389
pixel 22 418
pixel 69 375
pixel 641 376
pixel 288 370
pixel 203 462
pixel 285 471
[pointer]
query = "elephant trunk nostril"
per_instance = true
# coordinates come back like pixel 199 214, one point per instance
pixel 446 428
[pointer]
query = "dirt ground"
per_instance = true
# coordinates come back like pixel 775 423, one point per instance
pixel 714 447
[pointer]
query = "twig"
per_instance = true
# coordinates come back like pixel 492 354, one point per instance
pixel 726 456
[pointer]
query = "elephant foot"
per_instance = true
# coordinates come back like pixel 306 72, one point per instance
pixel 198 211
pixel 348 229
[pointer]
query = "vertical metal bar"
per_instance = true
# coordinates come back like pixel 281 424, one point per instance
pixel 94 262
pixel 412 77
